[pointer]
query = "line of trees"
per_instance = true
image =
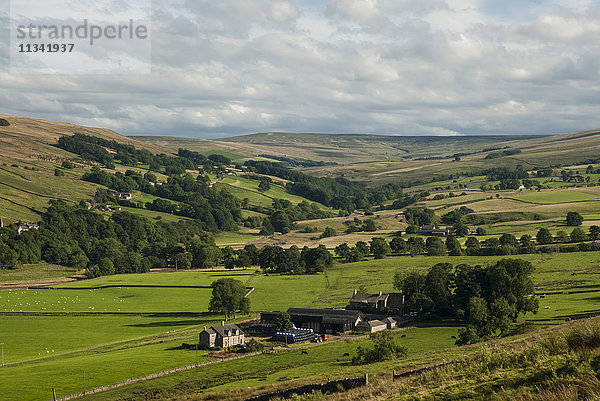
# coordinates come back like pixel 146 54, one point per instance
pixel 338 193
pixel 127 243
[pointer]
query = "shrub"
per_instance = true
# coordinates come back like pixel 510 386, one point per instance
pixel 385 348
pixel 4 123
pixel 584 337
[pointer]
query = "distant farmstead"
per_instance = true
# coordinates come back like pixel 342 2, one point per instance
pixel 429 229
pixel 225 335
pixel 21 228
pixel 123 195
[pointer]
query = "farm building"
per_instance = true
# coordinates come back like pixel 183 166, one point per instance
pixel 325 320
pixel 225 335
pixel 390 322
pixel 123 195
pixel 371 326
pixel 391 302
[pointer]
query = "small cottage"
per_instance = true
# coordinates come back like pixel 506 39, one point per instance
pixel 225 335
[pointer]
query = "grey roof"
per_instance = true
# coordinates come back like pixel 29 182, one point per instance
pixel 373 323
pixel 368 298
pixel 331 313
pixel 220 330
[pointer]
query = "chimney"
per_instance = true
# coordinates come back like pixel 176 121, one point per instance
pixel 222 323
pixel 355 292
pixel 380 293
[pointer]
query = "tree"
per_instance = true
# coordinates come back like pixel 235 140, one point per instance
pixel 415 246
pixel 283 322
pixel 435 247
pixel 379 248
pixel 543 236
pixel 439 283
pixel 527 244
pixel 228 296
pixel 398 245
pixel 594 232
pixel 9 259
pixel 355 255
pixel 267 228
pixel 342 250
pixel 453 246
pixel 59 172
pixel 508 239
pixel 370 225
pixel 578 235
pixel 105 267
pixel 412 285
pixel 461 229
pixel 472 243
pixel 562 237
pixel 384 348
pixel 574 219
pixel 362 247
pixel 264 185
pixel 480 231
pixel 268 257
pixel 317 259
pixel 183 260
pixel 328 232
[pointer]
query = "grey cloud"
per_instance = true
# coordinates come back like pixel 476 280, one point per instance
pixel 241 66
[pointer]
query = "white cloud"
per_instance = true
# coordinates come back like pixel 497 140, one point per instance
pixel 418 67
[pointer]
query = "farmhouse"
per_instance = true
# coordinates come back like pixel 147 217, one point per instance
pixel 225 335
pixel 391 302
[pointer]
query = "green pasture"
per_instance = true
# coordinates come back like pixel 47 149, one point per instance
pixel 35 380
pixel 275 292
pixel 233 238
pixel 254 198
pixel 172 278
pixel 551 197
pixel 158 311
pixel 35 272
pixel 124 299
pixel 28 337
pixel 321 363
pixel 153 215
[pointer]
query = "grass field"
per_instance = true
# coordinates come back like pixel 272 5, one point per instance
pixel 321 363
pixel 552 197
pixel 36 272
pixel 155 312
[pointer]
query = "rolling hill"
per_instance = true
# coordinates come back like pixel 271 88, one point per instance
pixel 28 160
pixel 379 159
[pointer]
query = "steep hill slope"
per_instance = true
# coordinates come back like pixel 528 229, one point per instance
pixel 28 159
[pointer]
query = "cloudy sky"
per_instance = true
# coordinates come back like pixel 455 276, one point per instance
pixel 390 67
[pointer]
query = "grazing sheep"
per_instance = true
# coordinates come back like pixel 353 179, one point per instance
pixel 304 352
